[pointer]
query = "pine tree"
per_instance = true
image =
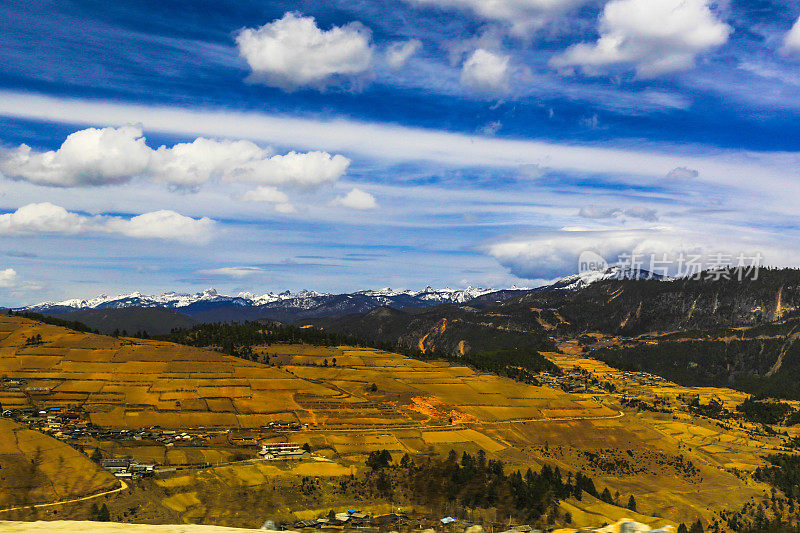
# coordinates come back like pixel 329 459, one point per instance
pixel 632 503
pixel 97 455
pixel 104 515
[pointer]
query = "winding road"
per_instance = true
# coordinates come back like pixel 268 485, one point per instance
pixel 123 486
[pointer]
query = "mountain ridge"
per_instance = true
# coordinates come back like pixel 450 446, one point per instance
pixel 306 299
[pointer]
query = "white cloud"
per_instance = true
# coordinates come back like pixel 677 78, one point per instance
pixel 531 171
pixel 400 52
pixel 293 52
pixel 42 218
pixel 682 173
pixel 791 42
pixel 270 195
pixel 643 213
pixel 233 272
pixel 8 278
pixel 164 224
pixel 357 199
pixel 556 253
pixel 305 169
pixel 656 36
pixel 487 72
pixel 594 212
pixel 285 208
pixel 266 194
pixel 730 169
pixel 492 127
pixel 195 163
pixel 115 155
pixel 87 157
pixel 597 213
pixel 46 218
pixel 523 16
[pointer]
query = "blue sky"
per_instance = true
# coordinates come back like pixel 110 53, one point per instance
pixel 340 145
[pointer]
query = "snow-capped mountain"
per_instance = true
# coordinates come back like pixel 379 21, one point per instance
pixel 287 306
pixel 429 294
pixel 584 279
pixel 190 303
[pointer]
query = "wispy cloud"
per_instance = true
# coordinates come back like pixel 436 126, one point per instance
pixel 729 168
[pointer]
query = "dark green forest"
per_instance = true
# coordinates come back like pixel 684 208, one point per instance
pixel 238 339
pixel 454 485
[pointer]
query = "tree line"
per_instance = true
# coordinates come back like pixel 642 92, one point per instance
pixel 238 339
pixel 456 485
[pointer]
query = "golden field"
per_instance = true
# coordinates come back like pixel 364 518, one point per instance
pixel 677 465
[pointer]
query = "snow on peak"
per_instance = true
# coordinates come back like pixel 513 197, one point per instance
pixel 303 298
pixel 584 279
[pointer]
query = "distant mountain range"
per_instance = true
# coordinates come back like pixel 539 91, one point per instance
pixel 158 314
pixel 194 304
pixel 197 303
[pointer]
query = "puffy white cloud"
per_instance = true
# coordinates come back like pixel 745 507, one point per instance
pixel 791 41
pixel 270 195
pixel 46 218
pixel 87 157
pixel 293 51
pixel 682 173
pixel 163 224
pixel 654 248
pixel 400 52
pixel 656 36
pixel 486 71
pixel 114 155
pixel 305 169
pixel 523 16
pixel 195 163
pixel 8 278
pixel 41 218
pixel 556 254
pixel 357 199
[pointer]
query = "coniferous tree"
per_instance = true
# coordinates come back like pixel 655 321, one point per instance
pixel 104 515
pixel 632 503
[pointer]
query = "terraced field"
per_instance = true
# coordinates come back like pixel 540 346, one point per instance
pixel 348 402
pixel 132 383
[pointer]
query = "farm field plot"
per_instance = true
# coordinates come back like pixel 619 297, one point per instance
pixel 370 400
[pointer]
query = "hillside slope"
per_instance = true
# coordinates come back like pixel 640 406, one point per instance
pixel 35 468
pixel 702 317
